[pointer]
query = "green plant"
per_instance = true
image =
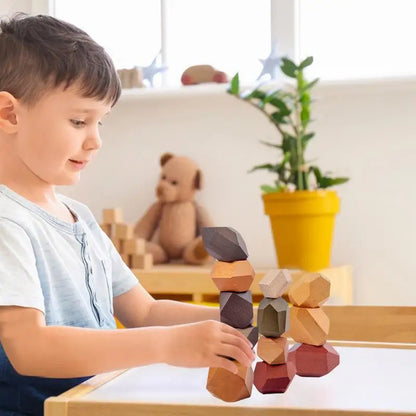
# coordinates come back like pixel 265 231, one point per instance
pixel 289 111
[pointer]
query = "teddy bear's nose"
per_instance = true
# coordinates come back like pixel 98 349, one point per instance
pixel 159 191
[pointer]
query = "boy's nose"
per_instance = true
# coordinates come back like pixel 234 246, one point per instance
pixel 93 141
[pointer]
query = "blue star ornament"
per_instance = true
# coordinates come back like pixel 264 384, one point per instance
pixel 271 64
pixel 151 70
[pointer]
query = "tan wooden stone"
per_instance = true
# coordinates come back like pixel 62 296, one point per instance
pixel 308 325
pixel 275 282
pixel 228 386
pixel 310 290
pixel 236 276
pixel 273 350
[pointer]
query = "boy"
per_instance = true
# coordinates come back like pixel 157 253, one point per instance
pixel 61 279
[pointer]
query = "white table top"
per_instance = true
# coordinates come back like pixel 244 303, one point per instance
pixel 366 380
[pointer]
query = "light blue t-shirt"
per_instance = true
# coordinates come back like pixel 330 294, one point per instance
pixel 69 271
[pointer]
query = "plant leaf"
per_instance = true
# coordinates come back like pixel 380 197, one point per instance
pixel 234 85
pixel 306 62
pixel 278 118
pixel 309 85
pixel 267 189
pixel 278 146
pixel 280 104
pixel 256 94
pixel 306 138
pixel 326 182
pixel 267 166
pixel 288 67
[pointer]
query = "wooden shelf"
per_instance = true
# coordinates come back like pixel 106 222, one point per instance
pixel 183 282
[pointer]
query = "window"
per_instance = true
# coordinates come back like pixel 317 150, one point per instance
pixel 348 38
pixel 358 39
pixel 231 35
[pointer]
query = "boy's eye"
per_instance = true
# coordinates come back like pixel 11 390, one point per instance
pixel 78 123
pixel 100 123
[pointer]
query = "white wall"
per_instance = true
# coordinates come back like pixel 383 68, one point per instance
pixel 9 7
pixel 363 131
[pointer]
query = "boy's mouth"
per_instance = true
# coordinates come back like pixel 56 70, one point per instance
pixel 79 163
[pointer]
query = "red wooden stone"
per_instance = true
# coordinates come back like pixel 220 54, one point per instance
pixel 313 361
pixel 273 378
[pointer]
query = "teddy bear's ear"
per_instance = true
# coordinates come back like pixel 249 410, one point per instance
pixel 165 157
pixel 198 181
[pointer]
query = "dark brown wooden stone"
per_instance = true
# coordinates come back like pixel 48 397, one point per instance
pixel 224 243
pixel 273 378
pixel 313 361
pixel 273 317
pixel 236 308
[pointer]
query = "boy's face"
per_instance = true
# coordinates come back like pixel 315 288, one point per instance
pixel 58 136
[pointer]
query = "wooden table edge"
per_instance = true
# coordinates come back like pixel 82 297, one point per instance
pixel 58 405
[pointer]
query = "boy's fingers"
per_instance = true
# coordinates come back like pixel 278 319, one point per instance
pixel 225 363
pixel 232 351
pixel 230 330
pixel 238 342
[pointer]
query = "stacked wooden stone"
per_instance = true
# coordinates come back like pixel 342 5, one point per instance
pixel 275 373
pixel 233 275
pixel 131 249
pixel 309 327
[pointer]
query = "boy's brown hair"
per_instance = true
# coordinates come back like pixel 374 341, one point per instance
pixel 39 53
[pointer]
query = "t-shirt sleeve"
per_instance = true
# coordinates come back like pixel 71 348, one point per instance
pixel 19 279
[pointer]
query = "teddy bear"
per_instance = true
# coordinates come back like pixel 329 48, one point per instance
pixel 172 225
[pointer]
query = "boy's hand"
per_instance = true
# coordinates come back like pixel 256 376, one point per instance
pixel 206 344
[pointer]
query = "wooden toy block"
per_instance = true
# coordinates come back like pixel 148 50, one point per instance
pixel 117 243
pixel 134 246
pixel 127 259
pixel 141 261
pixel 273 350
pixel 273 378
pixel 124 231
pixel 236 309
pixel 251 333
pixel 112 216
pixel 310 290
pixel 275 282
pixel 236 276
pixel 228 386
pixel 312 361
pixel 224 243
pixel 108 229
pixel 309 325
pixel 273 317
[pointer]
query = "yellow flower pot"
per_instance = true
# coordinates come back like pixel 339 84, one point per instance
pixel 302 225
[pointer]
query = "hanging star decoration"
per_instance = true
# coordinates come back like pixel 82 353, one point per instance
pixel 151 70
pixel 271 64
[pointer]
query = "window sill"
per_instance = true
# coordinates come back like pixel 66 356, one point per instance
pixel 174 92
pixel 354 86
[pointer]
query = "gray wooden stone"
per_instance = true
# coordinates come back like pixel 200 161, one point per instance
pixel 273 317
pixel 224 243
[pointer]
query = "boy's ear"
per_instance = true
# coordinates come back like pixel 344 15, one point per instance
pixel 8 120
